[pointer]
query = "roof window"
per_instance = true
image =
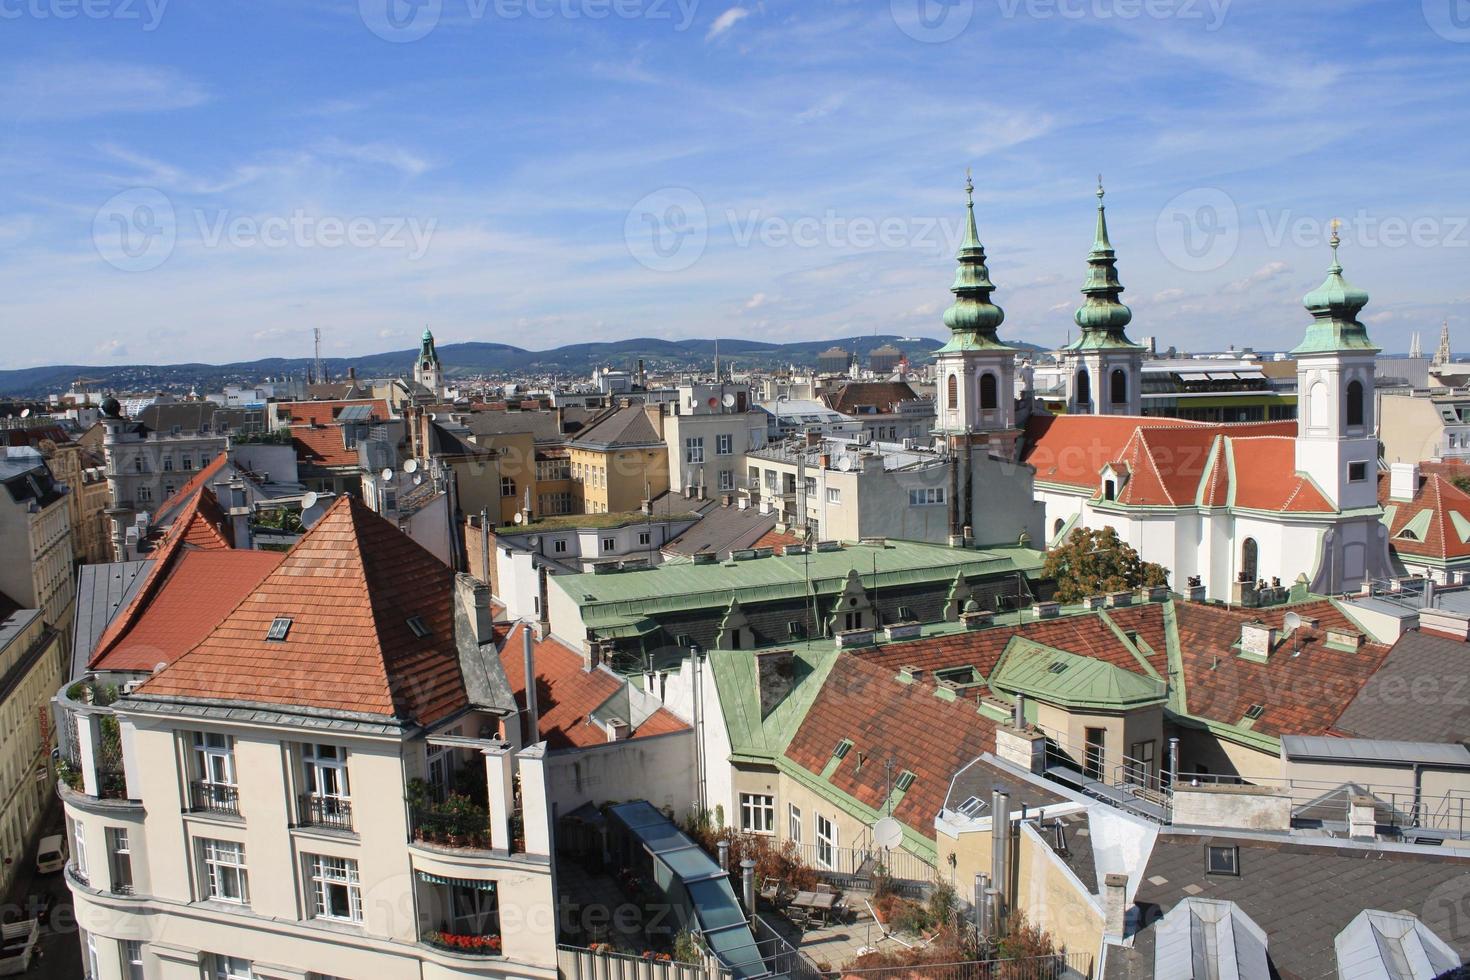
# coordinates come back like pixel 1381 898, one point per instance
pixel 280 626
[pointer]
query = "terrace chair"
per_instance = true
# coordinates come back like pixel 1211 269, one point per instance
pixel 771 890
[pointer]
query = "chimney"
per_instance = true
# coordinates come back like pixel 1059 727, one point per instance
pixel 775 675
pixel 1256 639
pixel 747 884
pixel 474 600
pixel 1403 481
pixel 1115 904
pixel 1000 854
pixel 617 730
pixel 1018 717
pixel 528 654
pixel 813 439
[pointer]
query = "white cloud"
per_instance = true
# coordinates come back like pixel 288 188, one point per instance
pixel 112 348
pixel 384 154
pixel 725 21
pixel 756 301
pixel 1269 272
pixel 79 89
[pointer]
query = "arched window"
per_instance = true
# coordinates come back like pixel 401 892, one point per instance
pixel 1248 560
pixel 1355 403
pixel 1110 490
pixel 1056 527
pixel 1084 388
pixel 1317 406
pixel 1118 387
pixel 953 396
pixel 987 391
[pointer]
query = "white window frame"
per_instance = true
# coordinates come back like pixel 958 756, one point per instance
pixel 927 496
pixel 758 813
pixel 793 822
pixel 834 495
pixel 559 547
pixel 79 849
pixel 329 873
pixel 120 853
pixel 132 959
pixel 826 843
pixel 94 968
pixel 224 869
pixel 609 544
pixel 727 479
pixel 694 449
pixel 231 967
pixel 724 444
pixel 645 537
pixel 324 770
pixel 214 758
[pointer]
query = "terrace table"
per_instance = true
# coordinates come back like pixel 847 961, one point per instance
pixel 819 902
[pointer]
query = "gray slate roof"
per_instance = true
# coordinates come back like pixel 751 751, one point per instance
pixel 1303 894
pixel 721 530
pixel 1420 694
pixel 102 592
pixel 629 426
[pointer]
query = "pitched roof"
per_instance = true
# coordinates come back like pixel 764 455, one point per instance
pixel 316 434
pixel 629 426
pixel 1417 695
pixel 1435 524
pixel 1264 477
pixel 882 397
pixel 348 587
pixel 198 591
pixel 566 694
pixel 193 486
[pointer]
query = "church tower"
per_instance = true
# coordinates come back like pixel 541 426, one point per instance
pixel 1105 367
pixel 1335 442
pixel 976 370
pixel 426 370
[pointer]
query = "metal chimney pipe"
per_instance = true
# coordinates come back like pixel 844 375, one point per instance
pixel 1001 827
pixel 724 848
pixel 528 649
pixel 1018 716
pixel 982 912
pixel 747 883
pixel 1173 760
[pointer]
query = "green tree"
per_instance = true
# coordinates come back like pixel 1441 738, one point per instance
pixel 1461 482
pixel 1092 562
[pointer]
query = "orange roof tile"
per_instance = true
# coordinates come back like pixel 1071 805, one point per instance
pixel 315 434
pixel 1266 477
pixel 195 484
pixel 349 587
pixel 199 590
pixel 326 412
pixel 566 694
pixel 776 540
pixel 1441 538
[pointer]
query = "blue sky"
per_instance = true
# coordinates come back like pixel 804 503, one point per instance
pixel 210 180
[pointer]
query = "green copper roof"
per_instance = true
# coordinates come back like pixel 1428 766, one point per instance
pixel 1072 681
pixel 751 737
pixel 972 319
pixel 1334 306
pixel 1102 315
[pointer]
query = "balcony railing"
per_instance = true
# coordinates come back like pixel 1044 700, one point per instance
pixel 463 825
pixel 214 798
pixel 332 812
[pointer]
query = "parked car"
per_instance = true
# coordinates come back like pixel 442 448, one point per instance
pixel 50 854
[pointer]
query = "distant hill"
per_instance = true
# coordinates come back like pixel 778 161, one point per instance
pixel 463 360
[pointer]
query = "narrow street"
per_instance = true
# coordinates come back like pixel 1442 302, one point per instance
pixel 60 953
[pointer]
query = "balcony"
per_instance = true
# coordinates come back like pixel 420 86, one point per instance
pixel 89 759
pixel 206 797
pixel 328 812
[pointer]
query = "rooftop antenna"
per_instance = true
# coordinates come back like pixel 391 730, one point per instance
pixel 316 334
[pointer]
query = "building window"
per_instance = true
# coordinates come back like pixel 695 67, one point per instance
pixel 559 547
pixel 93 966
pixel 186 462
pixel 1222 859
pixel 952 392
pixel 644 537
pixel 1249 560
pixel 727 479
pixel 121 858
pixel 324 775
pixel 225 879
pixel 826 842
pixel 724 444
pixel 694 449
pixel 1084 388
pixel 335 886
pixel 1357 472
pixel 609 544
pixel 758 813
pixel 926 497
pixel 1355 403
pixel 988 397
pixel 834 495
pixel 1110 490
pixel 793 822
pixel 214 769
pixel 230 968
pixel 507 487
pixel 79 849
pixel 132 959
pixel 1118 387
pixel 168 463
pixel 145 494
pixel 773 480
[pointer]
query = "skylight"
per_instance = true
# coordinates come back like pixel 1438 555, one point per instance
pixel 280 626
pixel 843 747
pixel 1255 711
pixel 1057 666
pixel 905 780
pixel 417 625
pixel 970 807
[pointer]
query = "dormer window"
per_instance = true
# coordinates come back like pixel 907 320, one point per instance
pixel 1110 490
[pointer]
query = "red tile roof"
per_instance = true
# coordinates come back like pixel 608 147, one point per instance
pixel 777 540
pixel 195 484
pixel 326 412
pixel 566 694
pixel 349 587
pixel 1174 462
pixel 863 701
pixel 883 397
pixel 1304 686
pixel 1440 539
pixel 315 434
pixel 198 591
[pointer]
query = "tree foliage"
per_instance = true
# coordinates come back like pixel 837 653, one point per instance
pixel 1093 562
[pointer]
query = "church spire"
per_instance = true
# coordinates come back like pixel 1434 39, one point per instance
pixel 1102 315
pixel 1442 353
pixel 1335 306
pixel 972 319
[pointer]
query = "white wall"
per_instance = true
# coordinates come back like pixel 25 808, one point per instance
pixel 659 769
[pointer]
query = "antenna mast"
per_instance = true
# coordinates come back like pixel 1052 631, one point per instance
pixel 316 334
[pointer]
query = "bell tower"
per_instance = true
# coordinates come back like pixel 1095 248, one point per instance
pixel 1105 368
pixel 426 370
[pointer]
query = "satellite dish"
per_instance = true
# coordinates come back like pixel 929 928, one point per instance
pixel 519 518
pixel 729 400
pixel 387 474
pixel 418 478
pixel 25 413
pixel 845 464
pixel 713 401
pixel 1291 622
pixel 309 500
pixel 412 466
pixel 888 833
pixel 534 540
